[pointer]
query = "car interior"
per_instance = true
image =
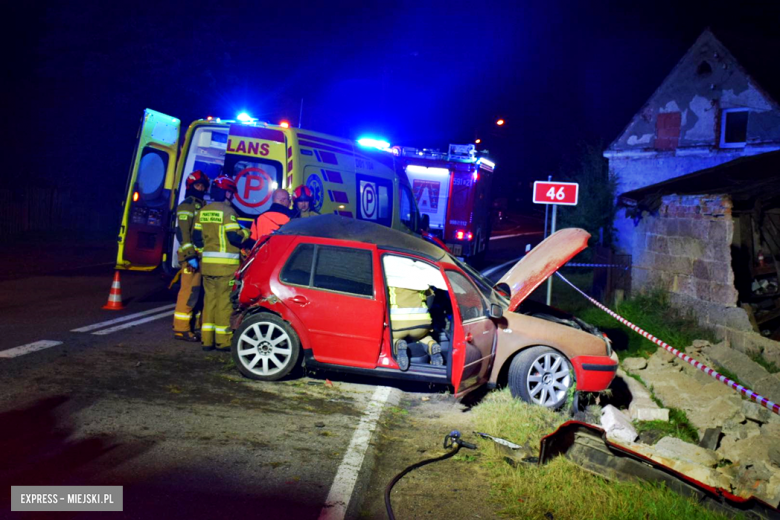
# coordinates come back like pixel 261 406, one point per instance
pixel 407 273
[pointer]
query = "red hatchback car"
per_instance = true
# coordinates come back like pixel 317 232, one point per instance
pixel 322 291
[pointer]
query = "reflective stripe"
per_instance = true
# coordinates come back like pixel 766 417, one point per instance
pixel 221 233
pixel 411 317
pixel 186 246
pixel 223 330
pixel 207 326
pixel 181 316
pixel 198 226
pixel 223 261
pixel 188 213
pixel 409 311
pixel 230 227
pixel 214 254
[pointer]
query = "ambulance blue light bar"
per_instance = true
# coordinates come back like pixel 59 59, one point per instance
pixel 371 142
pixel 245 118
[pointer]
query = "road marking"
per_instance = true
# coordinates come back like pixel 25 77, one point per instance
pixel 335 507
pixel 133 323
pixel 487 272
pixel 123 318
pixel 501 237
pixel 30 347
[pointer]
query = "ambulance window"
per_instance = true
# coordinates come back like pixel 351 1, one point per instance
pixel 344 269
pixel 408 211
pixel 151 173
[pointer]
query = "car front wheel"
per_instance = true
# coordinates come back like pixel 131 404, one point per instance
pixel 265 347
pixel 541 375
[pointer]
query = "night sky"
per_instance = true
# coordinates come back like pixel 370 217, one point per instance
pixel 418 73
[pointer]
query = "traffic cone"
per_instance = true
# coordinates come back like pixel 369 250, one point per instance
pixel 115 295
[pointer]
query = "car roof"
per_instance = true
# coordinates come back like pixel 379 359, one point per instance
pixel 344 228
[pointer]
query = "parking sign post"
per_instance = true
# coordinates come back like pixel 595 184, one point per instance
pixel 555 193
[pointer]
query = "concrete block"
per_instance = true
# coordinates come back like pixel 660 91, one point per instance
pixel 634 364
pixel 674 448
pixel 725 294
pixel 617 425
pixel 710 439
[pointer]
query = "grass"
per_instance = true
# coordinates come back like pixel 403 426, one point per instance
pixel 652 312
pixel 770 367
pixel 561 488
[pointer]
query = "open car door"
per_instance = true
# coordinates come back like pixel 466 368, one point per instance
pixel 145 219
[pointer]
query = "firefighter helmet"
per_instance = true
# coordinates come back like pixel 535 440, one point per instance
pixel 223 182
pixel 197 177
pixel 302 193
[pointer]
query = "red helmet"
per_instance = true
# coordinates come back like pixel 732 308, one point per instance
pixel 197 177
pixel 303 193
pixel 224 182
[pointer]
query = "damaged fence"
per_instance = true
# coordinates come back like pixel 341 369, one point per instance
pixel 763 401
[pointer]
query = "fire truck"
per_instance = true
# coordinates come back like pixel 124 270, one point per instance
pixel 453 189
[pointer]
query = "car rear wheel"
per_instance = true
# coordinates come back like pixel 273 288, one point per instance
pixel 541 375
pixel 265 347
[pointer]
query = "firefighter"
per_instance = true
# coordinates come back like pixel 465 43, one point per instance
pixel 218 233
pixel 188 303
pixel 412 322
pixel 302 199
pixel 275 217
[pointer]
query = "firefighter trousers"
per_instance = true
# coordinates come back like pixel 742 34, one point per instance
pixel 216 331
pixel 186 317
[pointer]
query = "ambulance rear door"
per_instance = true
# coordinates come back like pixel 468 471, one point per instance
pixel 145 218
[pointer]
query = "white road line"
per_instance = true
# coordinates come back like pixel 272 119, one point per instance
pixel 487 272
pixel 133 323
pixel 335 507
pixel 30 347
pixel 501 237
pixel 123 318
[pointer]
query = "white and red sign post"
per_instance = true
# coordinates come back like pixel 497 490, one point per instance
pixel 557 194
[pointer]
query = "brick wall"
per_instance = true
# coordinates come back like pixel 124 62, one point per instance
pixel 685 250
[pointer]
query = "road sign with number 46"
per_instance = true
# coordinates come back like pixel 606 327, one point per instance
pixel 547 192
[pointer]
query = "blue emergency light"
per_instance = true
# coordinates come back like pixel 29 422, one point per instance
pixel 371 142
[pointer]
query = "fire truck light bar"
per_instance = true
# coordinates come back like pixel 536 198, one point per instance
pixel 489 164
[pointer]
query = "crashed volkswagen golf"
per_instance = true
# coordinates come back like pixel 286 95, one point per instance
pixel 328 292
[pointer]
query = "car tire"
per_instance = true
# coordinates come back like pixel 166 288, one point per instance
pixel 265 347
pixel 542 376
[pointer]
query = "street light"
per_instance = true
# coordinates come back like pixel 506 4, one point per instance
pixel 500 122
pixel 478 141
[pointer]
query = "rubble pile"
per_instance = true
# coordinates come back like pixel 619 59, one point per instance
pixel 740 447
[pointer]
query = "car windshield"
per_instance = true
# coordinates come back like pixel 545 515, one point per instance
pixel 484 284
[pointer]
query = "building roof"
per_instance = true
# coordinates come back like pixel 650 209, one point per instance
pixel 756 177
pixel 344 228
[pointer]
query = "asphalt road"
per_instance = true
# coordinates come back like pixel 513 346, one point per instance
pixel 113 400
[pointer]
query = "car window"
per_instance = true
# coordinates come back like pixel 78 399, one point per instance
pixel 344 269
pixel 470 302
pixel 297 270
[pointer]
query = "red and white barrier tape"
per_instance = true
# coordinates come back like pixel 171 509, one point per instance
pixel 763 401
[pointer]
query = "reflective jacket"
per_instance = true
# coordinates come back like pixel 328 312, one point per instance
pixel 219 234
pixel 305 214
pixel 270 221
pixel 185 219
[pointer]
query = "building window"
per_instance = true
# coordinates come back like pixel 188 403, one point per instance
pixel 667 131
pixel 733 127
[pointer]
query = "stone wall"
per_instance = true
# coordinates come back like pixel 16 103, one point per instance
pixel 685 250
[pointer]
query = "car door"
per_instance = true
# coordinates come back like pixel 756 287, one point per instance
pixel 145 218
pixel 473 349
pixel 331 289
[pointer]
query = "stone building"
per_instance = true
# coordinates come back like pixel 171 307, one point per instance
pixel 698 173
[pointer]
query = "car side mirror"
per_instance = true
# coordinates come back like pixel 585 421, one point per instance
pixel 503 289
pixel 495 311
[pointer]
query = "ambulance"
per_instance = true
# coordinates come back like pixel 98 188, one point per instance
pixel 453 190
pixel 345 178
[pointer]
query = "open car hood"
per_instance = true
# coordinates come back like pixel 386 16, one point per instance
pixel 542 261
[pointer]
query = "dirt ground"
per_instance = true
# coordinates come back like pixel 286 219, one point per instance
pixel 455 488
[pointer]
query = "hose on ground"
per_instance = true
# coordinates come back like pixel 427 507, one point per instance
pixel 451 440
